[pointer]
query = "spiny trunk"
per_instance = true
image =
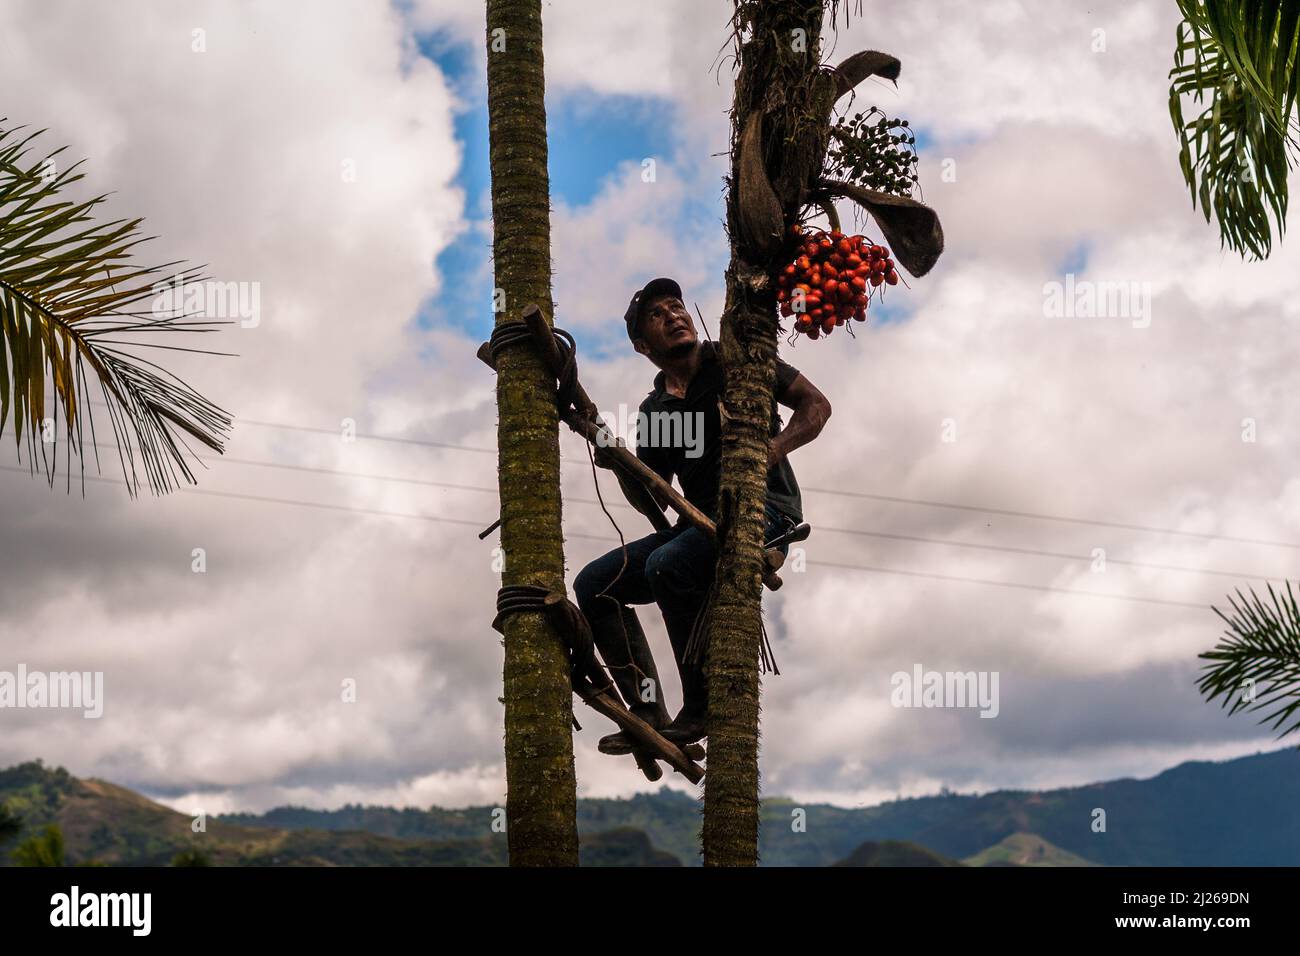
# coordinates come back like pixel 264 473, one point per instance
pixel 541 802
pixel 748 339
pixel 780 85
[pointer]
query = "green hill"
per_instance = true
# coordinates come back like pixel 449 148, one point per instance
pixel 894 853
pixel 1232 813
pixel 622 847
pixel 1025 849
pixel 110 824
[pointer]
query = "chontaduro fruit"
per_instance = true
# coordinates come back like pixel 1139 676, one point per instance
pixel 831 279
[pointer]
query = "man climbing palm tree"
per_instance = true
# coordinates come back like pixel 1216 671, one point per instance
pixel 674 568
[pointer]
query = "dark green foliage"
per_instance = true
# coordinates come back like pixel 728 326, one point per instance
pixel 878 155
pixel 625 846
pixel 71 299
pixel 407 822
pixel 1236 813
pixel 33 791
pixel 1238 57
pixel 105 824
pixel 347 848
pixel 894 853
pixel 191 857
pixel 1025 849
pixel 43 849
pixel 1256 666
pixel 10 823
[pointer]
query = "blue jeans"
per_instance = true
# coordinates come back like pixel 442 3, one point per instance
pixel 673 568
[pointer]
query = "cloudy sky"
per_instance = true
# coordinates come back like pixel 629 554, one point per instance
pixel 980 451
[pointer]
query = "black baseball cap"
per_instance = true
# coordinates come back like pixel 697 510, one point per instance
pixel 654 289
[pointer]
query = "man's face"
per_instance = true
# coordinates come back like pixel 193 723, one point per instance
pixel 667 330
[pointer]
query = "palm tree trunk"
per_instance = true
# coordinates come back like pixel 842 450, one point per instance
pixel 748 339
pixel 789 134
pixel 541 802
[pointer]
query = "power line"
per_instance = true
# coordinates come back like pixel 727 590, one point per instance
pixel 1011 584
pixel 375 512
pixel 1047 554
pixel 285 466
pixel 266 499
pixel 369 437
pixel 947 542
pixel 892 499
pixel 336 433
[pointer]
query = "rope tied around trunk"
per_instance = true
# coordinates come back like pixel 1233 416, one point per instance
pixel 576 636
pixel 516 332
pixel 586 675
pixel 514 598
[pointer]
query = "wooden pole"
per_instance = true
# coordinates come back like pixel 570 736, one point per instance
pixel 593 685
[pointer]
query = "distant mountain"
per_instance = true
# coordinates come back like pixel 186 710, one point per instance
pixel 622 847
pixel 1025 849
pixel 1242 812
pixel 669 818
pixel 894 853
pixel 110 824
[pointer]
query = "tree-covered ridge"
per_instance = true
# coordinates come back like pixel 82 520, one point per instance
pixel 1237 812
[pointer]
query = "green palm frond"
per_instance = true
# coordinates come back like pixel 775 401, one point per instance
pixel 69 294
pixel 1256 665
pixel 1240 57
pixel 1258 40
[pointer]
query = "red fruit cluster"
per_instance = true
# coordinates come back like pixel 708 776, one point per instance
pixel 832 279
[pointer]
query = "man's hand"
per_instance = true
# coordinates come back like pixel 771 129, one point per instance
pixel 811 410
pixel 774 454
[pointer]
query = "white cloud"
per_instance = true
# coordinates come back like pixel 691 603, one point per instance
pixel 225 686
pixel 586 41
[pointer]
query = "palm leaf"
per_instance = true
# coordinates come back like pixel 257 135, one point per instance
pixel 1239 58
pixel 69 294
pixel 1256 665
pixel 1258 40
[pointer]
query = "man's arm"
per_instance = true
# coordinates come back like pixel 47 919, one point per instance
pixel 633 488
pixel 811 410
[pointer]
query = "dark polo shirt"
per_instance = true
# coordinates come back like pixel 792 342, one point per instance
pixel 700 477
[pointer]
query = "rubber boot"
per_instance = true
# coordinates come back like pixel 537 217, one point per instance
pixel 689 724
pixel 626 652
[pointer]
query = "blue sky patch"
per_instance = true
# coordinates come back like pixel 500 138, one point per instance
pixel 1076 260
pixel 589 136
